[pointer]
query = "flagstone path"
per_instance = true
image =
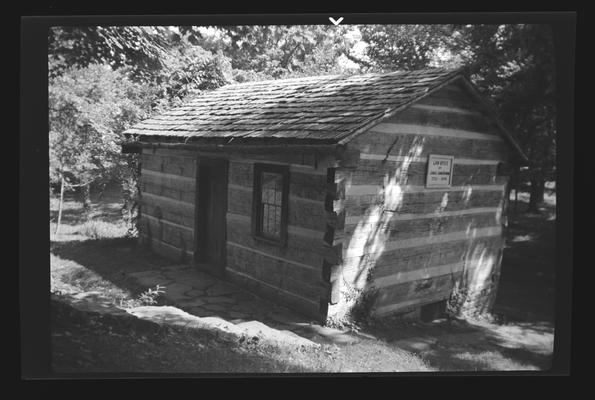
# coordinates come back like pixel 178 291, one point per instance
pixel 204 295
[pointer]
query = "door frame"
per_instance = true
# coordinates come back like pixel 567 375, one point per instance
pixel 199 260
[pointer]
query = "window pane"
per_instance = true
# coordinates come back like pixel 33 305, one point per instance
pixel 277 197
pixel 271 220
pixel 267 217
pixel 265 227
pixel 278 219
pixel 271 198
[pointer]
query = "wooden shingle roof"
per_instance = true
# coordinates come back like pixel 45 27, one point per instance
pixel 321 109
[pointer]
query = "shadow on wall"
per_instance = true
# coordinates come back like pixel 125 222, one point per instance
pixel 370 235
pixel 474 273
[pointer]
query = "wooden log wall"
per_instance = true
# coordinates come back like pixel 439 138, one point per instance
pixel 290 274
pixel 168 179
pixel 410 245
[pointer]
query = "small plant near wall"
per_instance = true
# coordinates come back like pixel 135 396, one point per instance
pixel 350 294
pixel 149 297
pixel 466 303
pixel 359 304
pixel 146 298
pixel 457 298
pixel 361 312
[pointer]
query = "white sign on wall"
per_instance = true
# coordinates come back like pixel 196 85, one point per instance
pixel 439 171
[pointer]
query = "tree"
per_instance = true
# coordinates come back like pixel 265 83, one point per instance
pixel 140 47
pixel 88 110
pixel 404 47
pixel 273 52
pixel 102 79
pixel 514 65
pixel 188 70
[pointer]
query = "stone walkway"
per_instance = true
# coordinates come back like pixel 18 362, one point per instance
pixel 204 295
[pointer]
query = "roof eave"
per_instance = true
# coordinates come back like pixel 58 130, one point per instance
pixel 251 147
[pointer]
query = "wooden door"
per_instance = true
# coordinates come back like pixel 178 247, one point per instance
pixel 211 208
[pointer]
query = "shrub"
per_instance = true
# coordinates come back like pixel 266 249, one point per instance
pixel 146 298
pixel 361 312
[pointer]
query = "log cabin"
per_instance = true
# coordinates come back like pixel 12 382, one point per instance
pixel 334 195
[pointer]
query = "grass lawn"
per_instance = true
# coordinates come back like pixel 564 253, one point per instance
pixel 94 255
pixel 90 343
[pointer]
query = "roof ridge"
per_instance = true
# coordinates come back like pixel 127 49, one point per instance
pixel 302 78
pixel 346 76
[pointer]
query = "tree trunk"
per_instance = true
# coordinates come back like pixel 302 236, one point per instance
pixel 536 194
pixel 102 187
pixel 61 202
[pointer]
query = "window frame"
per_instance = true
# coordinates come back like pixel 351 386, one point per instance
pixel 259 169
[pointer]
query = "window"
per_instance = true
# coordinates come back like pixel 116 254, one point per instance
pixel 271 184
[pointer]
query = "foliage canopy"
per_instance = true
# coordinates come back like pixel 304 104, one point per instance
pixel 102 79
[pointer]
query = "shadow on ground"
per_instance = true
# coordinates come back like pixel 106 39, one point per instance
pixel 132 268
pixel 112 258
pixel 88 343
pixel 105 206
pixel 526 290
pixel 459 345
